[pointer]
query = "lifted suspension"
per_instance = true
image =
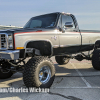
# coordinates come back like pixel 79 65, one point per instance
pixel 15 66
pixel 81 56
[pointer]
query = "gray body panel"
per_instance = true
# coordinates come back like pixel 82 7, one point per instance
pixel 54 40
pixel 58 40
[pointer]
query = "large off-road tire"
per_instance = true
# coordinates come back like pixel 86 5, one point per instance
pixel 96 59
pixel 39 72
pixel 5 71
pixel 61 60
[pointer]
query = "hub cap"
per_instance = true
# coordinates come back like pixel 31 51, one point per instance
pixel 44 74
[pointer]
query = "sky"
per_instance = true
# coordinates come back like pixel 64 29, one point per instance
pixel 18 12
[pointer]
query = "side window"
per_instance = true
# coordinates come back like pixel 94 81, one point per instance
pixel 66 18
pixel 35 23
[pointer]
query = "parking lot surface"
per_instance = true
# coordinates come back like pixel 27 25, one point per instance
pixel 74 81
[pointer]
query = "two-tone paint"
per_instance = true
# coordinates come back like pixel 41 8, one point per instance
pixel 55 41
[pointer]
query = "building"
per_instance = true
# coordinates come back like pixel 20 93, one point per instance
pixel 2 27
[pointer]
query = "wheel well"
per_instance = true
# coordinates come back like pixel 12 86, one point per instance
pixel 45 47
pixel 97 44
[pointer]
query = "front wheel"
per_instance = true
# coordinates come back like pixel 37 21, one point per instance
pixel 39 72
pixel 61 60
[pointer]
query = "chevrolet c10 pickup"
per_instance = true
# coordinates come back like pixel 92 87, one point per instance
pixel 55 34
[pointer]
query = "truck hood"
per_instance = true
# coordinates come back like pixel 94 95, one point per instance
pixel 10 30
pixel 25 30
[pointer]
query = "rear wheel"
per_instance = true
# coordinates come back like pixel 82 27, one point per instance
pixel 96 59
pixel 5 71
pixel 39 72
pixel 62 60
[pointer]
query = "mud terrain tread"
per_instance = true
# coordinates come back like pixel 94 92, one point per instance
pixel 96 59
pixel 29 76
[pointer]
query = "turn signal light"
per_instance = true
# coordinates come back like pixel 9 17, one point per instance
pixel 19 47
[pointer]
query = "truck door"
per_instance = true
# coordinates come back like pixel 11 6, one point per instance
pixel 70 38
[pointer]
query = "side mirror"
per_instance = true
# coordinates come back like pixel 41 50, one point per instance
pixel 61 29
pixel 68 24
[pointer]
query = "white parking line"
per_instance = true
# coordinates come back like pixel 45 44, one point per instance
pixel 75 87
pixel 87 84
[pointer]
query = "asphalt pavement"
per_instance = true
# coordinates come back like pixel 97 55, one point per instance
pixel 74 81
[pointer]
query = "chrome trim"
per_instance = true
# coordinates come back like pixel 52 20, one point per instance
pixel 75 45
pixel 69 45
pixel 88 44
pixel 64 46
pixel 7 41
pixel 44 74
pixel 6 38
pixel 11 40
pixel 55 46
pixel 9 54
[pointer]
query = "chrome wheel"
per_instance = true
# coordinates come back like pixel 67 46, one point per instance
pixel 44 74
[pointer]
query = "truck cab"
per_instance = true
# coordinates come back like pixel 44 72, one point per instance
pixel 55 34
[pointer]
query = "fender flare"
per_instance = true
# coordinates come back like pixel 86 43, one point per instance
pixel 41 45
pixel 97 44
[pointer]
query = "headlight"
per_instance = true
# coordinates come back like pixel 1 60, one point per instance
pixel 10 41
pixel 10 45
pixel 9 37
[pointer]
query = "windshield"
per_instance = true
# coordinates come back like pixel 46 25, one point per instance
pixel 42 21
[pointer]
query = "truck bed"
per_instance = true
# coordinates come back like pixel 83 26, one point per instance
pixel 91 31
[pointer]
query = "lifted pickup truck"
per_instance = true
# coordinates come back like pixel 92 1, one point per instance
pixel 44 36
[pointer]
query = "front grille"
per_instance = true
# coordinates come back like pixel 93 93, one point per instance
pixel 3 42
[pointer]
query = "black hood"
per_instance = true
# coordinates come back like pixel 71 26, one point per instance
pixel 11 30
pixel 25 30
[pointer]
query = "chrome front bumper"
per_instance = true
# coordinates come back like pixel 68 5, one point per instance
pixel 9 54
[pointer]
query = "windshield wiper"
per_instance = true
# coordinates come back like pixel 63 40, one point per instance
pixel 27 27
pixel 49 26
pixel 39 27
